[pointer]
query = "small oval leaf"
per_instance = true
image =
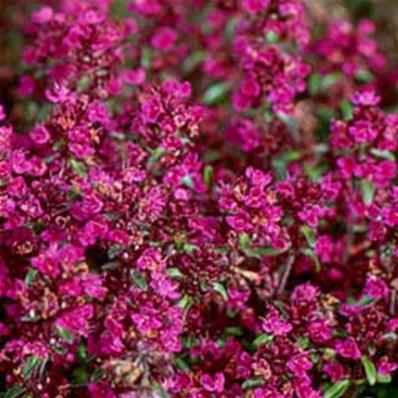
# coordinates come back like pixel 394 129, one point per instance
pixel 370 370
pixel 337 390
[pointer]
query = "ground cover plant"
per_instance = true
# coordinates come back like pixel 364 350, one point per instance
pixel 198 199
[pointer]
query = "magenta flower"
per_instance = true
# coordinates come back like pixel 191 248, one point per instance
pixel 348 348
pixel 255 6
pixel 335 370
pixel 319 331
pixel 275 325
pixel 164 39
pixel 76 320
pixel 299 365
pixel 198 199
pixel 147 320
pixel 2 113
pixel 40 135
pixel 213 383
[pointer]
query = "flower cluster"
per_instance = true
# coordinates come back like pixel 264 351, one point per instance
pixel 196 201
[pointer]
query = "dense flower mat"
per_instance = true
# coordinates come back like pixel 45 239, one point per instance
pixel 198 199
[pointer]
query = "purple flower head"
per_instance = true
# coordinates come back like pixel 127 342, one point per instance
pixel 385 367
pixel 164 286
pixel 93 286
pixel 324 248
pixel 375 288
pixel 300 364
pixel 43 15
pixel 305 293
pixel 40 135
pixel 365 98
pixel 147 320
pixel 348 348
pixel 255 6
pixel 274 324
pixel 213 383
pixel 164 39
pixel 59 94
pixel 151 260
pixel 2 113
pixel 319 331
pixel 76 320
pixel 334 370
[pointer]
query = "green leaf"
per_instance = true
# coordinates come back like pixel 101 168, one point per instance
pixel 162 392
pixel 370 370
pixel 321 84
pixel 114 251
pixel 189 248
pixel 366 300
pixel 15 391
pixel 252 383
pixel 192 61
pixel 272 37
pixel 325 114
pixel 156 155
pixel 346 110
pixel 230 28
pixel 139 279
pixel 234 331
pixel 186 302
pixel 368 190
pixel 118 9
pixel 268 116
pixel 314 358
pixel 384 379
pixel 79 377
pixel 269 251
pixel 220 289
pixel 291 156
pixel 303 342
pixel 31 110
pixel 30 276
pixel 337 390
pixel 189 342
pixel 261 339
pixel 64 333
pixel 146 57
pixel 31 365
pixel 382 154
pixel 215 94
pixel 208 176
pixel 186 247
pixel 97 375
pixel 174 272
pixel 309 235
pixel 329 80
pixel 315 172
pixel 290 121
pixel 364 76
pixel 181 364
pixel 281 163
pixel 244 241
pixel 391 336
pixel 314 84
pixel 78 167
pixel 311 254
pixel 245 245
pixel 188 182
pixel 81 354
pixel 83 84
